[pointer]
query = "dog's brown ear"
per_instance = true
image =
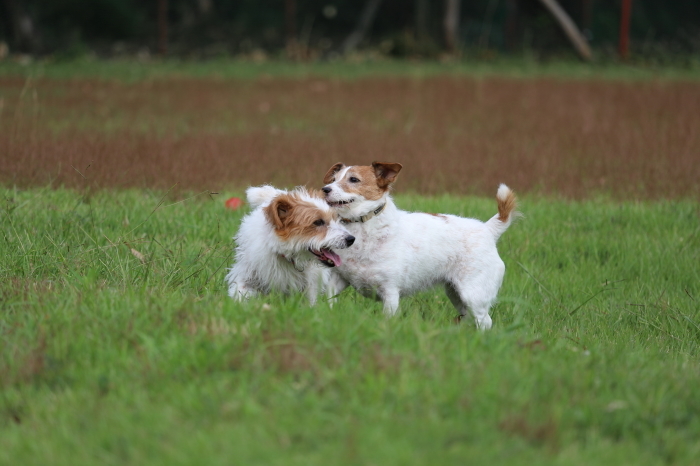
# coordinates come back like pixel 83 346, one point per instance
pixel 386 172
pixel 278 211
pixel 330 176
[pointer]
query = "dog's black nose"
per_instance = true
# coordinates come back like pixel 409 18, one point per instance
pixel 349 240
pixel 326 189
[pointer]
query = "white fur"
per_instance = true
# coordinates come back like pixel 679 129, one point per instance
pixel 397 253
pixel 265 263
pixel 257 196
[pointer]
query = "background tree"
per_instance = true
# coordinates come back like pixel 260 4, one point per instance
pixel 451 24
pixel 419 28
pixel 369 12
pixel 569 28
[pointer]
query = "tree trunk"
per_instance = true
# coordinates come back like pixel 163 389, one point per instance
pixel 625 16
pixel 485 35
pixel 511 25
pixel 570 29
pixel 12 22
pixel 204 7
pixel 586 14
pixel 20 27
pixel 451 25
pixel 363 24
pixel 162 27
pixel 421 18
pixel 290 21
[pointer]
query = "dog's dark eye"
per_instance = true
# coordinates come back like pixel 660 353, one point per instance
pixel 354 180
pixel 319 222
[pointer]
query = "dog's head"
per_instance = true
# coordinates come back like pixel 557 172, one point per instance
pixel 357 189
pixel 306 224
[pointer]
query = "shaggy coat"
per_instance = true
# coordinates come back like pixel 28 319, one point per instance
pixel 286 244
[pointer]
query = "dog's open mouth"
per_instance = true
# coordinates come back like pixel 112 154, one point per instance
pixel 327 257
pixel 339 203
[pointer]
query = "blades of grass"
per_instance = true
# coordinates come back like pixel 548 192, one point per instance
pixel 539 283
pixel 589 299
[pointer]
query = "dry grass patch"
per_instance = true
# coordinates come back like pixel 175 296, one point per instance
pixel 455 134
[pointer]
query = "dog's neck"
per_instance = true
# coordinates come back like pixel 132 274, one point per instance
pixel 366 217
pixel 360 215
pixel 298 266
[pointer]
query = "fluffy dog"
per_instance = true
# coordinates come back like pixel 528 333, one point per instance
pixel 282 243
pixel 398 253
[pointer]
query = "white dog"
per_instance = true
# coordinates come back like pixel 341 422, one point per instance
pixel 398 253
pixel 281 242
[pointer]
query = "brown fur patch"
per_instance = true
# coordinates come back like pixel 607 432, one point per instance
pixel 294 218
pixel 506 206
pixel 386 172
pixel 317 193
pixel 330 176
pixel 366 187
pixel 372 185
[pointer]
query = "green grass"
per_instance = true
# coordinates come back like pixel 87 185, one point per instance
pixel 120 346
pixel 131 70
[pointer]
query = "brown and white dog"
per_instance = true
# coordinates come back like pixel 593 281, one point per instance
pixel 397 253
pixel 287 244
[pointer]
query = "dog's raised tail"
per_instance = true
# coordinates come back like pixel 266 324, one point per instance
pixel 507 203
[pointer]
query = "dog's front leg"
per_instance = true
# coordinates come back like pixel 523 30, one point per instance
pixel 390 298
pixel 314 282
pixel 241 292
pixel 334 285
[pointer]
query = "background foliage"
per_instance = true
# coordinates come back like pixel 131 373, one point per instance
pixel 222 27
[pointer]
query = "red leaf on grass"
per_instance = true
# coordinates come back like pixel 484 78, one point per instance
pixel 233 203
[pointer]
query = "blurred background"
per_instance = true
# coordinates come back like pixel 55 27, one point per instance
pixel 223 94
pixel 647 30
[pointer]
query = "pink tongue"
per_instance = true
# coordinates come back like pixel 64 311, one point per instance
pixel 333 256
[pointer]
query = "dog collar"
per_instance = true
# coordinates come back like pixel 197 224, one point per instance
pixel 291 261
pixel 366 217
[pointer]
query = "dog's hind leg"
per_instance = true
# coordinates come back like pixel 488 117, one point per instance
pixel 477 290
pixel 465 297
pixel 455 300
pixel 481 315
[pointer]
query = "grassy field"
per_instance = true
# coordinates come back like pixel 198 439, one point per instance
pixel 119 345
pixel 354 68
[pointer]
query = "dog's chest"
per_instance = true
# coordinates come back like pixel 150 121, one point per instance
pixel 284 275
pixel 365 264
